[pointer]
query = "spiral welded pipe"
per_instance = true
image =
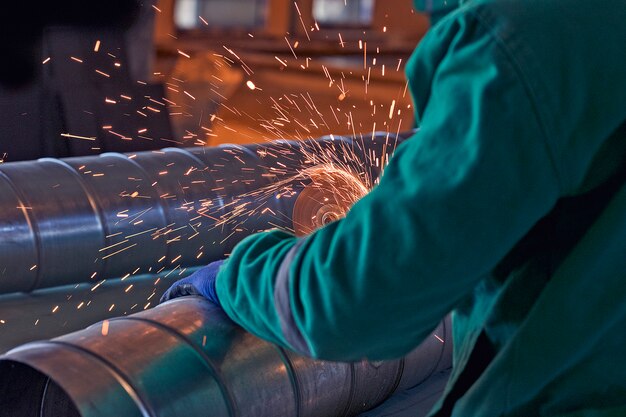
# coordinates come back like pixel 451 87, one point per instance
pixel 88 218
pixel 186 358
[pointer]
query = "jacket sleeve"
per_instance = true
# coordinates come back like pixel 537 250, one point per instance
pixel 452 202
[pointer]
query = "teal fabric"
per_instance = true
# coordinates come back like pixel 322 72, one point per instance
pixel 429 6
pixel 436 9
pixel 518 102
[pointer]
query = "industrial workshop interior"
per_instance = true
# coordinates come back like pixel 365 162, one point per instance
pixel 313 208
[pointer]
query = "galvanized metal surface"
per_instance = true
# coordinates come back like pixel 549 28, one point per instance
pixel 80 219
pixel 186 358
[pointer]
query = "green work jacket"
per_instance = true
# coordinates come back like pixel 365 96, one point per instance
pixel 506 208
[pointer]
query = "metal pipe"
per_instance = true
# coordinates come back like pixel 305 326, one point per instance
pixel 186 358
pixel 80 219
pixel 52 312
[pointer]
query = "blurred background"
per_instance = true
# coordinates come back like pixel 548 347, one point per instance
pixel 205 72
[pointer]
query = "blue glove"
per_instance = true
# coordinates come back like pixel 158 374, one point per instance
pixel 201 282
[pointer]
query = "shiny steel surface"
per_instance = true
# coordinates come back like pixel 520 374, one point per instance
pixel 89 218
pixel 186 358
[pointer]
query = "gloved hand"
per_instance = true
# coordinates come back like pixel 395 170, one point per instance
pixel 201 282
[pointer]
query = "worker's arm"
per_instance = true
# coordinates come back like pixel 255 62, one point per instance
pixel 452 202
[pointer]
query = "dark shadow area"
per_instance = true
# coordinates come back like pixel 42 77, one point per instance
pixel 26 392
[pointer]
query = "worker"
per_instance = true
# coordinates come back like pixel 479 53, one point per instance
pixel 507 208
